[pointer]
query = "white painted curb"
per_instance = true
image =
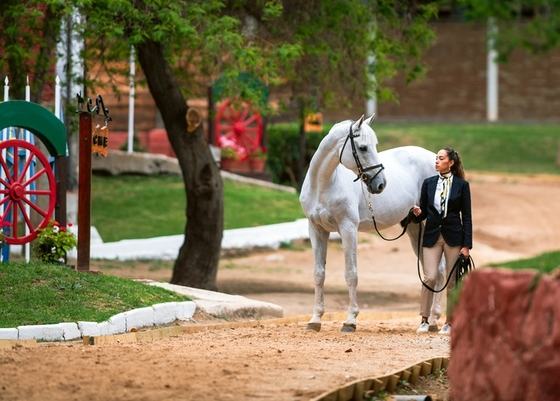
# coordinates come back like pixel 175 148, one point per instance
pixel 121 323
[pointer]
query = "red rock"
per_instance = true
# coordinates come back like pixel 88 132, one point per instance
pixel 505 342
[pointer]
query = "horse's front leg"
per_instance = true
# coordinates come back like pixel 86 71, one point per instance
pixel 319 241
pixel 350 246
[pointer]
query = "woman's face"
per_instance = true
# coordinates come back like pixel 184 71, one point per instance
pixel 443 164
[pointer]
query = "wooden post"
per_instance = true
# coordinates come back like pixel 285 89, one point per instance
pixel 211 127
pixel 84 191
pixel 61 171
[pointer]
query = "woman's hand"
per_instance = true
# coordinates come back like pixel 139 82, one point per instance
pixel 416 210
pixel 465 251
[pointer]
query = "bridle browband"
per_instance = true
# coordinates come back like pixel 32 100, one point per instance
pixel 361 170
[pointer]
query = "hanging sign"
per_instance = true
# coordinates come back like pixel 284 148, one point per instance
pixel 100 140
pixel 314 123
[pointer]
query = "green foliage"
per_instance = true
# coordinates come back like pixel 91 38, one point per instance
pixel 284 153
pixel 531 25
pixel 4 229
pixel 38 293
pixel 28 33
pixel 258 153
pixel 204 34
pixel 338 37
pixel 53 243
pixel 228 153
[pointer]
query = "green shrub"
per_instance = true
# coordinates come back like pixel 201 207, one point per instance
pixel 283 151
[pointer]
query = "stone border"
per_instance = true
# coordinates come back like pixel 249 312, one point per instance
pixel 158 314
pixel 388 383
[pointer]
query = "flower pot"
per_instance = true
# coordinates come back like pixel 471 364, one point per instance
pixel 241 166
pixel 257 164
pixel 227 164
pixel 235 165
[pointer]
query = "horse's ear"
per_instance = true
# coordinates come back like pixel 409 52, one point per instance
pixel 359 123
pixel 370 120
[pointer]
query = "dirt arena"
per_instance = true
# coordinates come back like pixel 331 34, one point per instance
pixel 513 218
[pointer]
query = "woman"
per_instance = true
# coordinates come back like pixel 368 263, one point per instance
pixel 445 203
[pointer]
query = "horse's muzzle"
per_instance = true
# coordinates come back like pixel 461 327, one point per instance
pixel 376 185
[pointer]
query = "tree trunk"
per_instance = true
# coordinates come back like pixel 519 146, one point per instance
pixel 197 262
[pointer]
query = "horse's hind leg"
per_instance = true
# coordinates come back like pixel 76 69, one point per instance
pixel 319 241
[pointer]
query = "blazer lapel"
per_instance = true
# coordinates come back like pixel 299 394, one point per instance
pixel 432 184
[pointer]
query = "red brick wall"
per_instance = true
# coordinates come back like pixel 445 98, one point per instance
pixel 455 85
pixel 530 87
pixel 454 88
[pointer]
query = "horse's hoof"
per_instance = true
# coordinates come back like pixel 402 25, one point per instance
pixel 348 328
pixel 313 326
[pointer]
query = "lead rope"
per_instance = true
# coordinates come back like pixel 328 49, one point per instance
pixel 405 225
pixel 455 267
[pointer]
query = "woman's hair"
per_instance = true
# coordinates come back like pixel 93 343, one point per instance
pixel 457 168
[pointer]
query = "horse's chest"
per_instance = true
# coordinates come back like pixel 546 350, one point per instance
pixel 324 219
pixel 330 214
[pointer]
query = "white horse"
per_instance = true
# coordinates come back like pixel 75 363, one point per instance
pixel 334 200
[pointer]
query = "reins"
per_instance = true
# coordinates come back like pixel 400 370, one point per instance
pixel 406 220
pixel 461 266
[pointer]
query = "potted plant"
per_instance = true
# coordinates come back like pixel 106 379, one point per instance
pixel 257 160
pixel 228 157
pixel 53 243
pixel 3 232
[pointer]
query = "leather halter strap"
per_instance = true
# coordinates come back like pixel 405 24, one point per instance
pixel 361 170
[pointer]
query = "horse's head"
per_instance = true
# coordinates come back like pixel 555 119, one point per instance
pixel 359 154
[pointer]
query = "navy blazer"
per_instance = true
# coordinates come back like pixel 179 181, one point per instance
pixel 456 228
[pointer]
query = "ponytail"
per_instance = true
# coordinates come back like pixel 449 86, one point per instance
pixel 457 167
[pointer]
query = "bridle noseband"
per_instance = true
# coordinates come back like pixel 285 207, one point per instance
pixel 361 170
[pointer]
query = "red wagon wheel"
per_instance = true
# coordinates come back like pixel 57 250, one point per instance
pixel 239 125
pixel 20 174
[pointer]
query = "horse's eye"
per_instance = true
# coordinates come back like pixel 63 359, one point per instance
pixel 363 148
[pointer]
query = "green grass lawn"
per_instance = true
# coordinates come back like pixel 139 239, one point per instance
pixel 133 207
pixel 508 148
pixel 37 293
pixel 544 263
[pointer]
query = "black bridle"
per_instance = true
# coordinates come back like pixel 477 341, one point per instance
pixel 361 170
pixel 363 176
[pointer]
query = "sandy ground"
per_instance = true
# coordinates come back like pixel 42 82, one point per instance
pixel 513 218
